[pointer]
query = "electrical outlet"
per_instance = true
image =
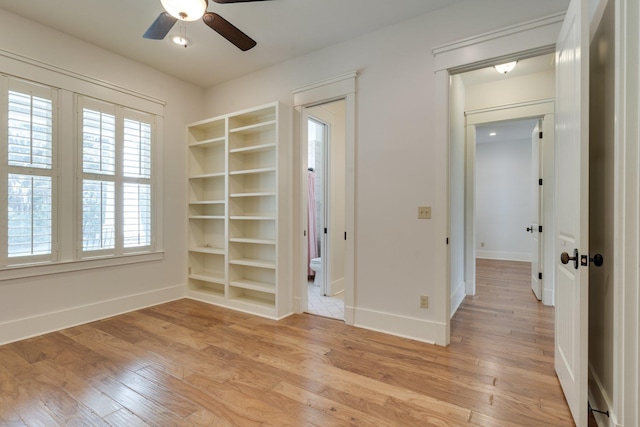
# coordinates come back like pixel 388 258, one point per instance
pixel 424 212
pixel 424 301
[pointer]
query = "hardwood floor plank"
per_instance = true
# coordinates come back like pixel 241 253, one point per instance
pixel 124 417
pixel 141 406
pixel 348 415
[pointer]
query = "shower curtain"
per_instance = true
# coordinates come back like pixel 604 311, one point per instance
pixel 312 238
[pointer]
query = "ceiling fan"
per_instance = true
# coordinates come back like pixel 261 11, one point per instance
pixel 190 10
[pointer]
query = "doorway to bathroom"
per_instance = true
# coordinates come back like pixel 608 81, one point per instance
pixel 326 236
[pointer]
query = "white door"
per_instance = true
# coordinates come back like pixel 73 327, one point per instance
pixel 572 191
pixel 536 213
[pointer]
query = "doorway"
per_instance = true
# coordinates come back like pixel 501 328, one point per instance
pixel 338 88
pixel 326 213
pixel 481 97
pixel 508 195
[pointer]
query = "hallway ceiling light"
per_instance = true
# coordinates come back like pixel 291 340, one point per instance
pixel 185 10
pixel 505 68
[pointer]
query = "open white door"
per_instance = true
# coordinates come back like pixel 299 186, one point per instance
pixel 536 213
pixel 572 208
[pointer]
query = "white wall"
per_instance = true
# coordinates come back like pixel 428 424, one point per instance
pixel 511 91
pixel 395 163
pixel 503 200
pixel 35 305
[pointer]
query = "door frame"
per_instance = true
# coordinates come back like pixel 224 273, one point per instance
pixel 543 109
pixel 626 340
pixel 332 89
pixel 528 39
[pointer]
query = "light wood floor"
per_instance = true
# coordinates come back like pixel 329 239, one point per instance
pixel 189 363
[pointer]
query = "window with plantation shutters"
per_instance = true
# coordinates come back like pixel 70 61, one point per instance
pixel 29 178
pixel 116 179
pixel 77 176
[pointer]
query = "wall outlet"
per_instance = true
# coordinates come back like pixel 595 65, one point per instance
pixel 424 212
pixel 424 301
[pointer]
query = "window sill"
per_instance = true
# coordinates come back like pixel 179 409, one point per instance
pixel 33 270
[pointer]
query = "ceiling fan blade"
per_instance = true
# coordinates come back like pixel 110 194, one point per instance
pixel 160 27
pixel 235 1
pixel 227 30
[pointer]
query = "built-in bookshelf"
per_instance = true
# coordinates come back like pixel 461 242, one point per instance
pixel 237 201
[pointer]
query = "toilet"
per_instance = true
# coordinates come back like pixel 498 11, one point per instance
pixel 316 266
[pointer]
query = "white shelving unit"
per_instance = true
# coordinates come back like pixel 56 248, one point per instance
pixel 239 256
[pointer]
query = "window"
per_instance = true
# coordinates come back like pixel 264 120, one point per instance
pixel 30 172
pixel 74 190
pixel 116 179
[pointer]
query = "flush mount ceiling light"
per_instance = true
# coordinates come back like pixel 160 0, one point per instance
pixel 505 68
pixel 185 10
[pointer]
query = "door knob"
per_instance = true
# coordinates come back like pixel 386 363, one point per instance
pixel 597 260
pixel 530 229
pixel 565 258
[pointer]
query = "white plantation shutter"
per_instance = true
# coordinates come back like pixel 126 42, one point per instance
pixel 137 186
pixel 116 179
pixel 98 142
pixel 137 149
pixel 29 215
pixel 137 215
pixel 30 131
pixel 30 171
pixel 98 215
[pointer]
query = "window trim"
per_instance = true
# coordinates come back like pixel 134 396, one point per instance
pixel 20 271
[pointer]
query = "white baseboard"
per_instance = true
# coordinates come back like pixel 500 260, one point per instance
pixel 406 327
pixel 599 399
pixel 457 296
pixel 504 256
pixel 349 315
pixel 548 297
pixel 20 329
pixel 337 286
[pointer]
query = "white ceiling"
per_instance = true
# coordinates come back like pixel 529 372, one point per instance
pixel 510 130
pixel 284 29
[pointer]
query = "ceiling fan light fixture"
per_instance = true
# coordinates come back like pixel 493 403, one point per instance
pixel 505 68
pixel 185 10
